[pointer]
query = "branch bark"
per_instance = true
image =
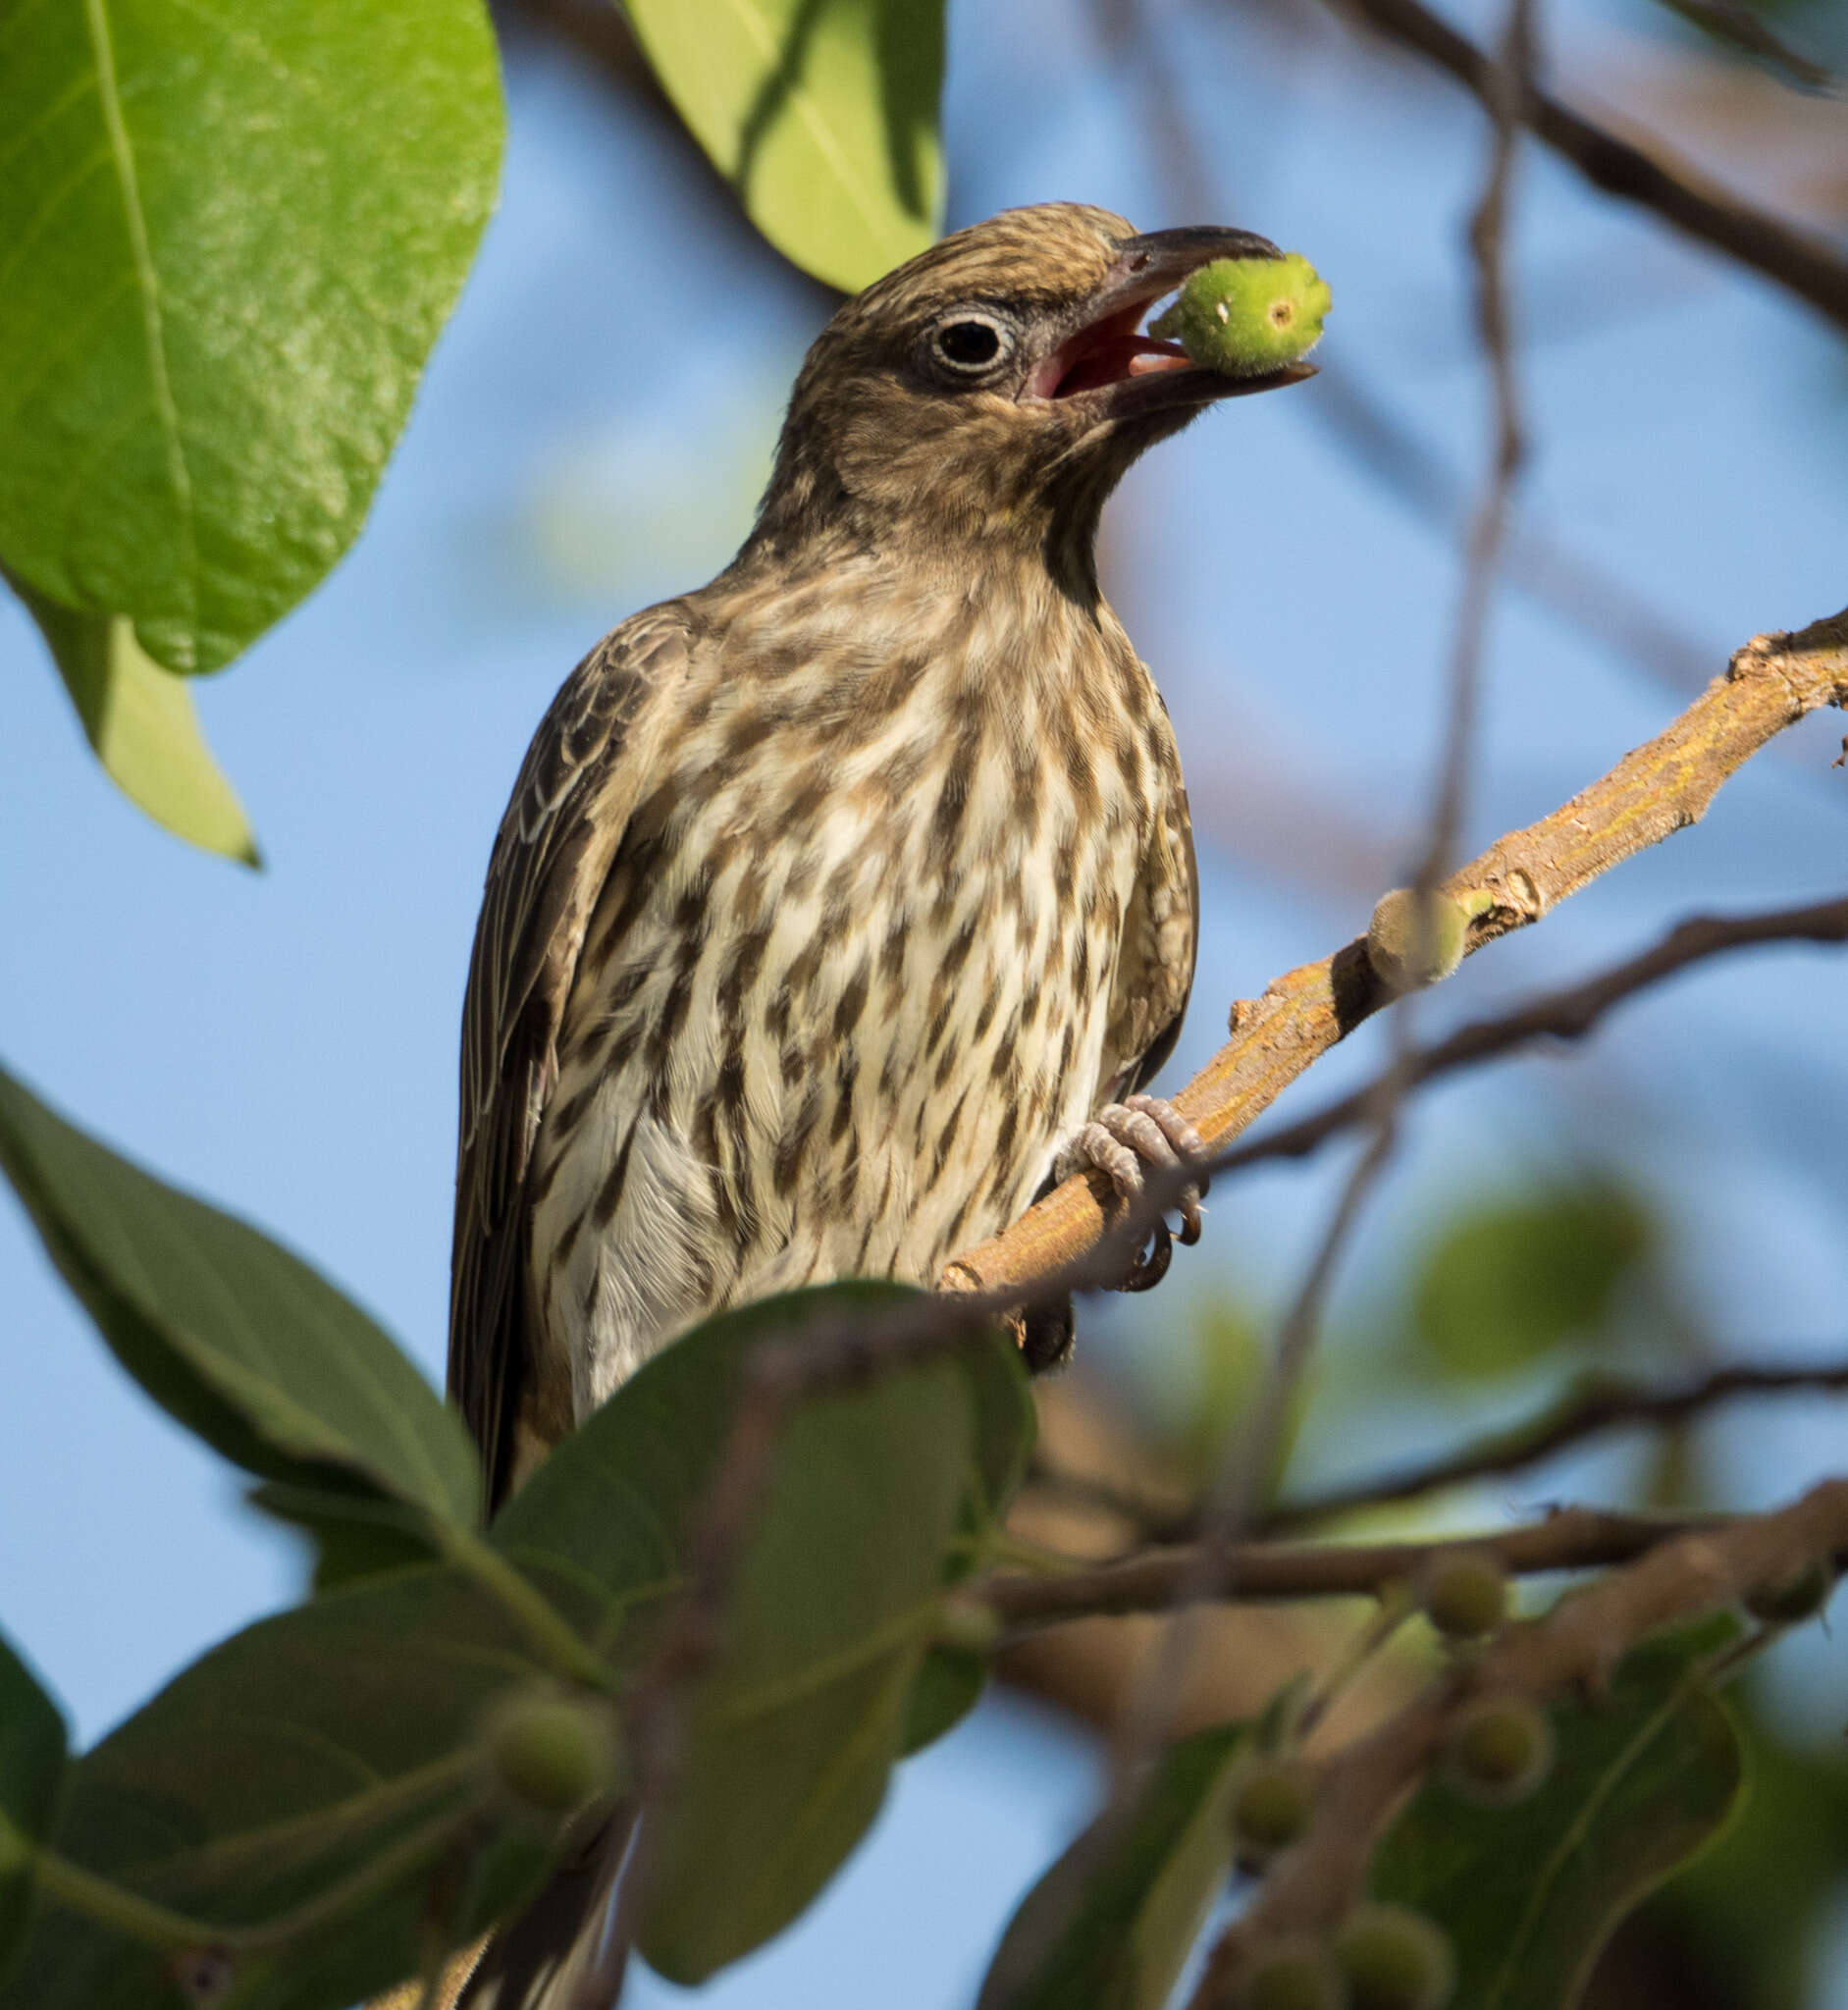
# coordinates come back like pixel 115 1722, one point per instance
pixel 1575 1538
pixel 1659 789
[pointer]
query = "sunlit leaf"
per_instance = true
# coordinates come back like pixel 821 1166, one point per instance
pixel 229 236
pixel 822 114
pixel 144 726
pixel 31 1764
pixel 1109 1926
pixel 239 1339
pixel 1641 1779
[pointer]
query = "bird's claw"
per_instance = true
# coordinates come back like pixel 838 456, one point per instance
pixel 1119 1143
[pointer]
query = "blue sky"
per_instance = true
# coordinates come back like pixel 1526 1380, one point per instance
pixel 590 438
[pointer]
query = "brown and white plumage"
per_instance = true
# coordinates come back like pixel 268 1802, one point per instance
pixel 836 898
pixel 838 901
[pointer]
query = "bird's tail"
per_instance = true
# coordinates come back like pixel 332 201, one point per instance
pixel 541 1959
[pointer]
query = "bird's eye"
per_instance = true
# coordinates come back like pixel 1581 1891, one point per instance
pixel 968 344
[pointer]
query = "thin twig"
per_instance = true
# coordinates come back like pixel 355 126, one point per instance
pixel 1590 1408
pixel 1271 1573
pixel 1247 1457
pixel 1804 265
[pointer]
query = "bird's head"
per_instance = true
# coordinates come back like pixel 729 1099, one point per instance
pixel 996 388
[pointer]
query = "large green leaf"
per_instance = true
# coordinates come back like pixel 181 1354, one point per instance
pixel 229 236
pixel 234 1335
pixel 143 723
pixel 1110 1925
pixel 31 1764
pixel 1641 1779
pixel 822 114
pixel 877 1500
pixel 277 1769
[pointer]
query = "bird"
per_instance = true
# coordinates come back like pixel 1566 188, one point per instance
pixel 844 904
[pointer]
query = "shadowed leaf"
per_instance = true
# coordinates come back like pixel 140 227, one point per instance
pixel 1528 1895
pixel 31 1764
pixel 239 1339
pixel 269 1775
pixel 1109 1926
pixel 877 1498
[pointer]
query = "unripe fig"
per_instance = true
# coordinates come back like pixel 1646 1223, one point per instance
pixel 1786 1600
pixel 1292 1975
pixel 1465 1595
pixel 1270 1808
pixel 1501 1750
pixel 1411 943
pixel 1394 1959
pixel 554 1753
pixel 1244 316
pixel 968 1625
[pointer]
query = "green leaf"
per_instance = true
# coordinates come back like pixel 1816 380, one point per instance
pixel 821 114
pixel 31 1766
pixel 1640 1781
pixel 296 1758
pixel 239 1339
pixel 1110 1925
pixel 1509 1282
pixel 949 1684
pixel 874 1497
pixel 142 722
pixel 228 238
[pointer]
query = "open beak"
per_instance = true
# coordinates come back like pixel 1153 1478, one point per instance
pixel 1107 356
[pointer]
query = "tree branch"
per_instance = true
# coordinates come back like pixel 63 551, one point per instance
pixel 1661 787
pixel 1575 1645
pixel 1803 264
pixel 1569 1015
pixel 1595 1404
pixel 1267 1572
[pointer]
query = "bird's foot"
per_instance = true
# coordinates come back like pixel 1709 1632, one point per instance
pixel 1123 1138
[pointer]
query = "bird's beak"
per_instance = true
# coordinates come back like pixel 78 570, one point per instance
pixel 1105 355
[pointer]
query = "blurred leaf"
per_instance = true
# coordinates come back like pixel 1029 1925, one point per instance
pixel 821 114
pixel 1640 1781
pixel 837 1594
pixel 144 727
pixel 239 1339
pixel 32 1766
pixel 949 1684
pixel 1752 1911
pixel 229 237
pixel 1744 28
pixel 1110 1925
pixel 1507 1284
pixel 280 1767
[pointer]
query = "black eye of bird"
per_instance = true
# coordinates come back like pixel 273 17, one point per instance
pixel 968 344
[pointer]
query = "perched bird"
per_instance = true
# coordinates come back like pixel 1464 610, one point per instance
pixel 844 903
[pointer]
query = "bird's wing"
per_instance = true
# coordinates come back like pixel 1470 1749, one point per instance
pixel 581 778
pixel 1160 941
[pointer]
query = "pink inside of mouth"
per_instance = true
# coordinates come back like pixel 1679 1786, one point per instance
pixel 1110 351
